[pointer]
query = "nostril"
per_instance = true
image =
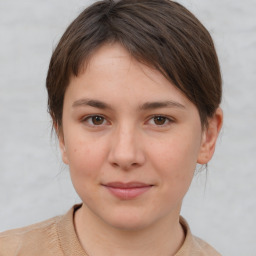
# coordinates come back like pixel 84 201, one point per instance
pixel 125 166
pixel 115 164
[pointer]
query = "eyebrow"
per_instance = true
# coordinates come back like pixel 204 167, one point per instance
pixel 146 106
pixel 161 104
pixel 91 103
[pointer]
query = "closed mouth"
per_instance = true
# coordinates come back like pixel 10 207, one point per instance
pixel 126 191
pixel 127 185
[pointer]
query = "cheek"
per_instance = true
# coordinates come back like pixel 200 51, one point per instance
pixel 84 165
pixel 85 159
pixel 177 153
pixel 175 159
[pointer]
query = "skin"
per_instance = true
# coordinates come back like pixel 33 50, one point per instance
pixel 112 132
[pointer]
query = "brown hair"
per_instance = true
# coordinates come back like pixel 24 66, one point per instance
pixel 160 33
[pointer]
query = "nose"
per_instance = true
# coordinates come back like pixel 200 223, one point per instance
pixel 126 149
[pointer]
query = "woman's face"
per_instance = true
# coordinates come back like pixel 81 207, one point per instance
pixel 131 140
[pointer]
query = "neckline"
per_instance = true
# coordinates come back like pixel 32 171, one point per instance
pixel 70 244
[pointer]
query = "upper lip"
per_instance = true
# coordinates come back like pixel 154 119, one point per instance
pixel 133 184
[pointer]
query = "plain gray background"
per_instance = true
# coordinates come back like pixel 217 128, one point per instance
pixel 35 185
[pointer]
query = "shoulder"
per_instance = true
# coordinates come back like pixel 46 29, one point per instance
pixel 193 245
pixel 204 248
pixel 31 240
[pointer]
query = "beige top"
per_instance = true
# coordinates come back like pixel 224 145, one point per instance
pixel 57 237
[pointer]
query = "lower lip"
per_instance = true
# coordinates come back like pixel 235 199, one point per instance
pixel 128 193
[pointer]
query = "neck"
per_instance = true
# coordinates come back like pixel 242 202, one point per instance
pixel 97 238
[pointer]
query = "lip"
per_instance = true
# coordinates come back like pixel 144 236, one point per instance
pixel 127 191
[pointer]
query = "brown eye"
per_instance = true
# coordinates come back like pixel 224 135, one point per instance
pixel 160 120
pixel 94 120
pixel 97 120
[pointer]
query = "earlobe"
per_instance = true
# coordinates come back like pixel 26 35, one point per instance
pixel 62 146
pixel 209 137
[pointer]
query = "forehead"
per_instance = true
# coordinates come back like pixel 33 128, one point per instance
pixel 113 62
pixel 114 75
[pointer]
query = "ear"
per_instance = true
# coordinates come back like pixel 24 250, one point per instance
pixel 209 137
pixel 62 146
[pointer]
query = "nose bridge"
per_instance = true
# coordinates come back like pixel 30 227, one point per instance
pixel 126 150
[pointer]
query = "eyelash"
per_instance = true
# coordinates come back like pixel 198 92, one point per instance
pixel 167 120
pixel 90 123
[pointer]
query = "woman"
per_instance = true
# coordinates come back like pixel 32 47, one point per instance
pixel 134 89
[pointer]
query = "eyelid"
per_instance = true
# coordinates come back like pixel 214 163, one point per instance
pixel 86 118
pixel 168 118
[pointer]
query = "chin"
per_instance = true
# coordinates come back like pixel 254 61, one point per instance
pixel 129 224
pixel 129 221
